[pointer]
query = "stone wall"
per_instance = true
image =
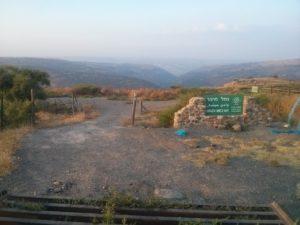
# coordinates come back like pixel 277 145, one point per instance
pixel 193 114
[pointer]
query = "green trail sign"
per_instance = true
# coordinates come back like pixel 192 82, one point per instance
pixel 224 105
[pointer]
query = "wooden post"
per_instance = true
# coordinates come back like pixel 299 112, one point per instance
pixel 2 111
pixel 73 104
pixel 271 89
pixel 32 107
pixel 282 214
pixel 133 109
pixel 289 87
pixel 55 106
pixel 141 104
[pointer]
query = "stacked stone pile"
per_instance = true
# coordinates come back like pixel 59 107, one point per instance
pixel 193 114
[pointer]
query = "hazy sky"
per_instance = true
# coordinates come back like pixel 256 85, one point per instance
pixel 206 29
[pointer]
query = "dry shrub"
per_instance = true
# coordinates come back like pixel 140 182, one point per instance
pixel 126 122
pixel 156 94
pixel 10 140
pixel 148 119
pixel 116 93
pixel 59 91
pixel 47 119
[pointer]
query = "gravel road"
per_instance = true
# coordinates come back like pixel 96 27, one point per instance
pixel 97 155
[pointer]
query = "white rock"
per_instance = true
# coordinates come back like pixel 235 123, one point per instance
pixel 169 194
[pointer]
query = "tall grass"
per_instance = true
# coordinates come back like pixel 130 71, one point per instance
pixel 279 105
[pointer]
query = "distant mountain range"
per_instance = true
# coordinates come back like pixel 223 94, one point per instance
pixel 67 73
pixel 217 75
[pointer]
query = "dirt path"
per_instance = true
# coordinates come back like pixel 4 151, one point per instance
pixel 96 155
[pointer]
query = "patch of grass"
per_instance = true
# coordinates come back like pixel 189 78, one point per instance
pixel 279 152
pixel 127 200
pixel 108 213
pixel 10 140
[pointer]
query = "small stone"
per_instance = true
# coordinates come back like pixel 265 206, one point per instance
pixel 237 127
pixel 57 190
pixel 169 194
pixel 56 183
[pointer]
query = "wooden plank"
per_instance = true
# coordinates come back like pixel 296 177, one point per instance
pixel 88 217
pixel 161 212
pixel 282 214
pixel 197 213
pixel 58 199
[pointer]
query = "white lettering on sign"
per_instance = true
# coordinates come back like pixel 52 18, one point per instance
pixel 210 99
pixel 225 99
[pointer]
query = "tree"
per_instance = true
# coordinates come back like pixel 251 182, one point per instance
pixel 25 80
pixel 6 83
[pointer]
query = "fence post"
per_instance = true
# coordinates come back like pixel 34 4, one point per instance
pixel 55 106
pixel 133 110
pixel 32 107
pixel 73 103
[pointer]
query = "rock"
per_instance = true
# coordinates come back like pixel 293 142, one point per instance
pixel 59 187
pixel 169 194
pixel 237 127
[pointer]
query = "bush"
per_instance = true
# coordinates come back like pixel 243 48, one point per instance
pixel 17 113
pixel 87 90
pixel 166 117
pixel 262 100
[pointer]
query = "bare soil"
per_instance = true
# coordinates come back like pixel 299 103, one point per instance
pixel 100 155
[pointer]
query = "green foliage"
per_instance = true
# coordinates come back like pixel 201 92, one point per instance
pixel 25 80
pixel 15 93
pixel 6 81
pixel 16 113
pixel 108 213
